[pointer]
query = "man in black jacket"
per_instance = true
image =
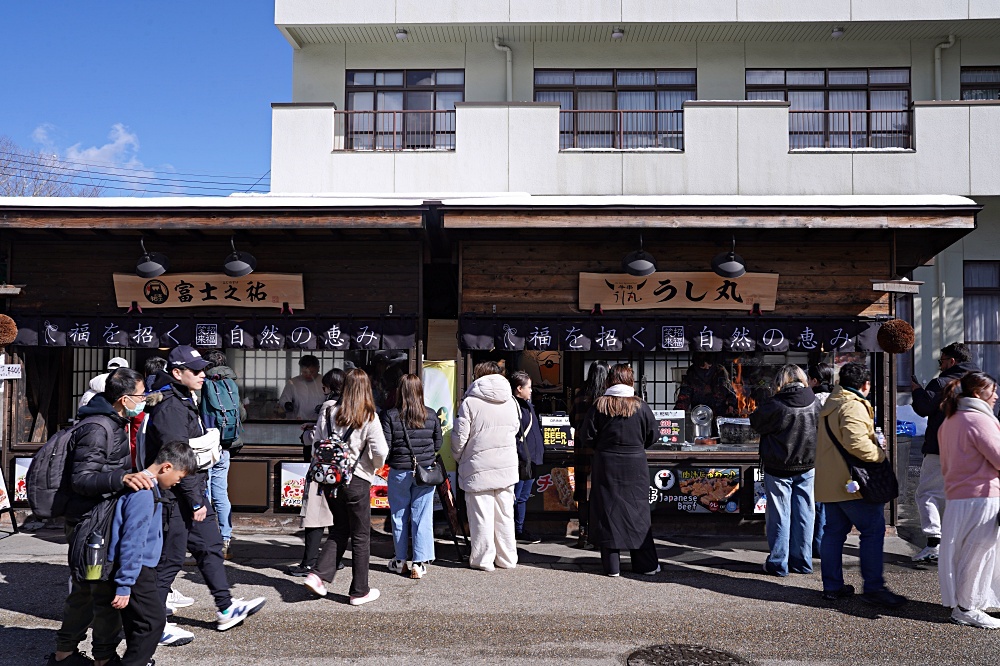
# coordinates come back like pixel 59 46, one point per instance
pixel 100 468
pixel 191 521
pixel 955 362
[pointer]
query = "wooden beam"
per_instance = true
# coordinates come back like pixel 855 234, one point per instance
pixel 646 219
pixel 188 222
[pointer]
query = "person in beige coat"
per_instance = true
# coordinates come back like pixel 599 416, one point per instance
pixel 849 417
pixel 484 448
pixel 355 422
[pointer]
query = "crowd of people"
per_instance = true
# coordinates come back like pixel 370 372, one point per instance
pixel 159 452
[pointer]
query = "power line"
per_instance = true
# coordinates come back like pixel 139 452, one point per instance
pixel 65 166
pixel 175 173
pixel 124 182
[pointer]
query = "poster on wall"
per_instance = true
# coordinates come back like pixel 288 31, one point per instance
pixel 694 489
pixel 19 482
pixel 293 483
pixel 553 489
pixel 4 498
pixel 556 431
pixel 759 493
pixel 439 395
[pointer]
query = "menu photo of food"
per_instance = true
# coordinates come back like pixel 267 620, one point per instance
pixel 293 481
pixel 380 489
pixel 696 489
pixel 556 488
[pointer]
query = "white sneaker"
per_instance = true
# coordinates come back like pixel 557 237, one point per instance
pixel 372 595
pixel 314 583
pixel 174 635
pixel 974 618
pixel 178 600
pixel 418 570
pixel 650 573
pixel 238 611
pixel 398 566
pixel 928 554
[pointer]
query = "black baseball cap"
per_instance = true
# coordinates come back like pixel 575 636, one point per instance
pixel 183 356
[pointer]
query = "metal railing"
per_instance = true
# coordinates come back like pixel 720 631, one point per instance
pixel 850 129
pixel 394 131
pixel 621 130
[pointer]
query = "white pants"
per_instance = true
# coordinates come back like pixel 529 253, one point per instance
pixel 969 566
pixel 930 495
pixel 491 528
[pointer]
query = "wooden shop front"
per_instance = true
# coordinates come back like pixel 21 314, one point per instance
pixel 338 280
pixel 543 289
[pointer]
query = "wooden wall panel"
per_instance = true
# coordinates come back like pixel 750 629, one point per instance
pixel 339 276
pixel 536 277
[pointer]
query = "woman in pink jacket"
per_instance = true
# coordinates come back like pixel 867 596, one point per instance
pixel 969 566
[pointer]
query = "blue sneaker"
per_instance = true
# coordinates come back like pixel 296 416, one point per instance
pixel 238 611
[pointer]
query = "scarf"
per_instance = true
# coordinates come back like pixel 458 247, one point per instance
pixel 620 391
pixel 975 405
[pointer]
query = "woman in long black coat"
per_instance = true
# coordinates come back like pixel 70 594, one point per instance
pixel 619 428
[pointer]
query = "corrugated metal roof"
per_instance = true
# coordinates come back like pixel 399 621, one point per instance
pixel 645 32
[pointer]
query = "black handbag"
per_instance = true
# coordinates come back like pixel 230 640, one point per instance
pixel 432 475
pixel 876 481
pixel 525 469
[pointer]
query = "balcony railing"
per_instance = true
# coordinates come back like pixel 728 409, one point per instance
pixel 622 130
pixel 850 129
pixel 394 131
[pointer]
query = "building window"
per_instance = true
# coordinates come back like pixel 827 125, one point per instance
pixel 402 109
pixel 618 108
pixel 981 83
pixel 982 304
pixel 840 108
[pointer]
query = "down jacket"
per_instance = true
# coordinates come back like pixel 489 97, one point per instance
pixel 426 440
pixel 483 442
pixel 99 467
pixel 787 426
pixel 927 402
pixel 852 421
pixel 173 416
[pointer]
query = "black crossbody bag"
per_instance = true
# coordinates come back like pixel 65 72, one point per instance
pixel 424 476
pixel 877 481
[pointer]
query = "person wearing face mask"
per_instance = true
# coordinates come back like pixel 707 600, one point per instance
pixel 191 523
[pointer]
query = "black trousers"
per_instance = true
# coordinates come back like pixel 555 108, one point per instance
pixel 143 620
pixel 352 520
pixel 89 604
pixel 644 558
pixel 203 539
pixel 314 541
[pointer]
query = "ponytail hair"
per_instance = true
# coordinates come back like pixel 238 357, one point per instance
pixel 972 385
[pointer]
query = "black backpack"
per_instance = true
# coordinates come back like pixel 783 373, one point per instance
pixel 95 529
pixel 48 480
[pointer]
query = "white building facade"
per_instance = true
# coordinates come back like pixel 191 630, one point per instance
pixel 631 98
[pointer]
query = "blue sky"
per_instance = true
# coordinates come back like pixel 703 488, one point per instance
pixel 183 86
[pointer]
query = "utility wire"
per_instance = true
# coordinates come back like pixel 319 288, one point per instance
pixel 37 171
pixel 93 164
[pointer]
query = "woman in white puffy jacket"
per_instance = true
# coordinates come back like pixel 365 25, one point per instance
pixel 484 448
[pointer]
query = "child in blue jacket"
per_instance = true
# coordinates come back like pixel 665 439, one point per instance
pixel 134 550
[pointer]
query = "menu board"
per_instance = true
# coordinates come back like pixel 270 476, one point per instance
pixel 556 431
pixel 293 483
pixel 19 482
pixel 671 425
pixel 694 489
pixel 759 492
pixel 380 488
pixel 4 499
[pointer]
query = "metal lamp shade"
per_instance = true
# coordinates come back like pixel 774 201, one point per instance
pixel 152 264
pixel 729 265
pixel 239 264
pixel 639 263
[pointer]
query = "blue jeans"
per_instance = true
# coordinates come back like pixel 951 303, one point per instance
pixel 522 491
pixel 789 521
pixel 818 529
pixel 411 506
pixel 218 494
pixel 870 521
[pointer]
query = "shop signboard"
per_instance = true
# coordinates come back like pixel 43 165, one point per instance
pixel 702 291
pixel 187 290
pixel 671 425
pixel 439 395
pixel 759 493
pixel 20 482
pixel 379 491
pixel 694 489
pixel 4 497
pixel 556 431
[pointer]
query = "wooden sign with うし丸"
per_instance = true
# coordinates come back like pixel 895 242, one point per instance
pixel 704 291
pixel 188 290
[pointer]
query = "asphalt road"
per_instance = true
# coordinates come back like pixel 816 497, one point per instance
pixel 554 608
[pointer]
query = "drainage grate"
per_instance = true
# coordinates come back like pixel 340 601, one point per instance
pixel 684 655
